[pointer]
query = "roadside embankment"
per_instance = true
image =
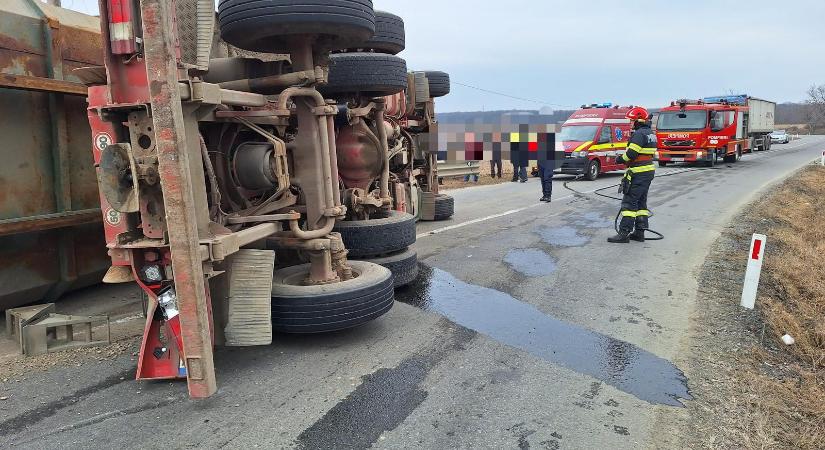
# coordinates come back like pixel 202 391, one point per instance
pixel 752 390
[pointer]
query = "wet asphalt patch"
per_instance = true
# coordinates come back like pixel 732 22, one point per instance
pixel 522 326
pixel 562 236
pixel 530 262
pixel 381 402
pixel 593 219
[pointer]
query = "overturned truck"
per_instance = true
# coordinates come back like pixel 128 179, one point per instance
pixel 248 195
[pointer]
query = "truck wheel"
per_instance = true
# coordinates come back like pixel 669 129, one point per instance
pixel 591 171
pixel 403 265
pixel 365 74
pixel 389 34
pixel 268 25
pixel 379 236
pixel 736 156
pixel 439 83
pixel 298 308
pixel 663 163
pixel 444 207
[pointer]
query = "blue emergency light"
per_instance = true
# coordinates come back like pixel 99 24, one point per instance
pixel 729 99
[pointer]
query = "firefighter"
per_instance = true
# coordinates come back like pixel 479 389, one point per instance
pixel 636 182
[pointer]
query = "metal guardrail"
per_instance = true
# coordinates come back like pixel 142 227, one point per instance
pixel 458 169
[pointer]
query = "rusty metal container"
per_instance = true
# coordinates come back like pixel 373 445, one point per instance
pixel 51 236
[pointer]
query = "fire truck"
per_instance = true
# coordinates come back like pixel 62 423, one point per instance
pixel 703 131
pixel 592 138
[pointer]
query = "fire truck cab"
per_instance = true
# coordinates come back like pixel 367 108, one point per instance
pixel 592 138
pixel 702 131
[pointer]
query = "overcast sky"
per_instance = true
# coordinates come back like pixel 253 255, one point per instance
pixel 563 53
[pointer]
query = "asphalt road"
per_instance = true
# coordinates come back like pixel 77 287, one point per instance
pixel 525 330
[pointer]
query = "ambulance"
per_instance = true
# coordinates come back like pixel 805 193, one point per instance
pixel 592 138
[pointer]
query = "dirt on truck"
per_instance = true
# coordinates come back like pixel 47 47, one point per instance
pixel 276 191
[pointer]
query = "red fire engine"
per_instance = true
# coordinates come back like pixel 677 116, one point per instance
pixel 702 131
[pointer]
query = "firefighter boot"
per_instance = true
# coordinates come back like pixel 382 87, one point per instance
pixel 625 227
pixel 622 237
pixel 639 233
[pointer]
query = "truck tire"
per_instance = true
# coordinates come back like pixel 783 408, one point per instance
pixel 712 162
pixel 736 156
pixel 763 146
pixel 389 34
pixel 298 308
pixel 267 25
pixel 663 163
pixel 439 83
pixel 403 265
pixel 365 74
pixel 380 236
pixel 592 170
pixel 444 207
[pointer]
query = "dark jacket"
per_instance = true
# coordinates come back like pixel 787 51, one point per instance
pixel 641 147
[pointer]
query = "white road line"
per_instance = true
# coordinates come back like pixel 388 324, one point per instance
pixel 496 216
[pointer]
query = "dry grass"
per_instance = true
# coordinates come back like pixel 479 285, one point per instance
pixel 484 177
pixel 787 386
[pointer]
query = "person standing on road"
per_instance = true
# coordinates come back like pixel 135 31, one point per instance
pixel 636 182
pixel 546 168
pixel 519 156
pixel 495 163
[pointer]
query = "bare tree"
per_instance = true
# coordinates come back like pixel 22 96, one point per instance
pixel 815 107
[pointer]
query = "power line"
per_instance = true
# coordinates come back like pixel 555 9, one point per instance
pixel 541 102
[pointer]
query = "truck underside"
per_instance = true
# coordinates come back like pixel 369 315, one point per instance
pixel 271 192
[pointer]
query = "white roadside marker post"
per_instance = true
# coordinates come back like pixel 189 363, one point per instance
pixel 822 161
pixel 753 271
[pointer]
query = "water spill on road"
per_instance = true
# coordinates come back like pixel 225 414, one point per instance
pixel 562 236
pixel 520 325
pixel 592 219
pixel 530 262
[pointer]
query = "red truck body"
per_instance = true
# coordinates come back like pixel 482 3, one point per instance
pixel 702 131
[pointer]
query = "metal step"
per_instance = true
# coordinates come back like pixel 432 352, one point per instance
pixel 249 310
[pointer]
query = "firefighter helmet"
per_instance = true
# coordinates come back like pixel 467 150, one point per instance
pixel 638 114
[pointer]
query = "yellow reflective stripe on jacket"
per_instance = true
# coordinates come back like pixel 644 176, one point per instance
pixel 633 146
pixel 646 151
pixel 629 213
pixel 645 168
pixel 642 213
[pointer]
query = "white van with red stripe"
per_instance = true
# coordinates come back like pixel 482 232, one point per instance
pixel 592 138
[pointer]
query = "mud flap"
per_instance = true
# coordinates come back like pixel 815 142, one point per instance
pixel 249 310
pixel 427 206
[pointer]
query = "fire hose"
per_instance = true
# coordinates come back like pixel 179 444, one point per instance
pixel 659 236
